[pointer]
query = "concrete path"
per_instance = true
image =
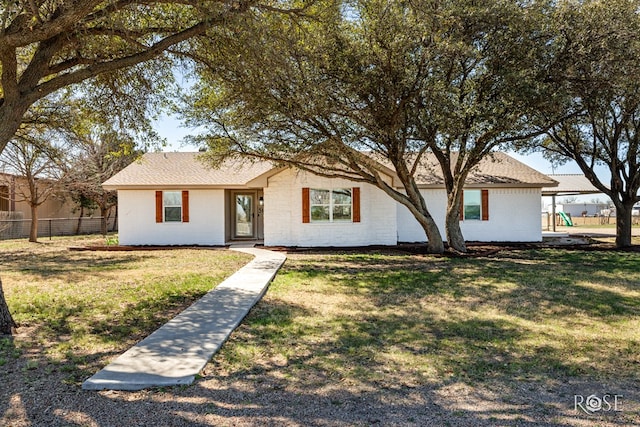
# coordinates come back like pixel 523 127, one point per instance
pixel 177 352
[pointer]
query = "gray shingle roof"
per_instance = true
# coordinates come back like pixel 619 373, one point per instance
pixel 185 170
pixel 497 169
pixel 181 170
pixel 502 169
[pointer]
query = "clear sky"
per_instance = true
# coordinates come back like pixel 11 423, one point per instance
pixel 170 128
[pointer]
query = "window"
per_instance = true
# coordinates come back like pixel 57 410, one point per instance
pixel 172 206
pixel 330 205
pixel 172 202
pixel 475 205
pixel 4 198
pixel 336 205
pixel 472 204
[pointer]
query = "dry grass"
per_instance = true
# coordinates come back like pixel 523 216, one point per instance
pixel 371 338
pixel 78 308
pixel 411 319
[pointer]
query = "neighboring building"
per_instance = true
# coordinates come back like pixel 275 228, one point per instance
pixel 174 199
pixel 577 209
pixel 58 215
pixel 58 205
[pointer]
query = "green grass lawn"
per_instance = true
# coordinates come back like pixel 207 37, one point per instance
pixel 371 319
pixel 82 307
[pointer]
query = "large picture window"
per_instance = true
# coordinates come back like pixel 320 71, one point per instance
pixel 330 205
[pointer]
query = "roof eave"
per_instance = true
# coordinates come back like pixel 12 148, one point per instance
pixel 177 187
pixel 489 185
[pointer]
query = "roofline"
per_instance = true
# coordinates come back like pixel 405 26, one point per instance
pixel 568 192
pixel 487 185
pixel 179 187
pixel 253 185
pixel 262 180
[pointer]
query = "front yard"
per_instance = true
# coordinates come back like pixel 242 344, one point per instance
pixel 370 338
pixel 76 309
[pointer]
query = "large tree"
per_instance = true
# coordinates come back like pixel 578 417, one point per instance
pixel 596 80
pixel 47 45
pixel 98 155
pixel 374 80
pixel 492 58
pixel 317 92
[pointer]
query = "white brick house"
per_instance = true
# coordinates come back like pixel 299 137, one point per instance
pixel 174 199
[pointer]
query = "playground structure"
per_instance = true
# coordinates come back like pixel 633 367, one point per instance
pixel 566 219
pixel 567 185
pixel 547 220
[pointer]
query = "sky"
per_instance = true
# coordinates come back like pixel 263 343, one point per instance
pixel 171 129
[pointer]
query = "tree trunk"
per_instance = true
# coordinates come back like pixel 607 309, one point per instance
pixel 33 231
pixel 623 223
pixel 79 225
pixel 455 239
pixel 417 206
pixel 11 114
pixel 103 220
pixel 435 245
pixel 7 325
pixel 115 220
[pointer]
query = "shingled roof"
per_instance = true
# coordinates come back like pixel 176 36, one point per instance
pixel 496 169
pixel 181 170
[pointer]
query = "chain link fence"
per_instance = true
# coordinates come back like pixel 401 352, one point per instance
pixel 49 227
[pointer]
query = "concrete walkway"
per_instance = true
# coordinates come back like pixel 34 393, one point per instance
pixel 177 352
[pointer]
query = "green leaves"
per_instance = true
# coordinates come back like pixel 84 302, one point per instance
pixel 391 78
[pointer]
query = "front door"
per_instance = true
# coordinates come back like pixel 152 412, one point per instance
pixel 244 215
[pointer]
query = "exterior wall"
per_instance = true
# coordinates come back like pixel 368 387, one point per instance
pixel 575 210
pixel 137 226
pixel 409 230
pixel 283 224
pixel 57 205
pixel 513 217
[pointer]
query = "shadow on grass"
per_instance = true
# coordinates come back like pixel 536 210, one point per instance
pixel 522 314
pixel 398 354
pixel 68 264
pixel 274 395
pixel 138 320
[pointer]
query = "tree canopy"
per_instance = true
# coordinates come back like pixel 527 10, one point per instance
pixel 374 80
pixel 595 76
pixel 47 45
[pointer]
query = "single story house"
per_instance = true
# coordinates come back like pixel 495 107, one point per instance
pixel 176 199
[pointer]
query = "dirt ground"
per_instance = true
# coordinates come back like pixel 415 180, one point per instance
pixel 42 395
pixel 266 397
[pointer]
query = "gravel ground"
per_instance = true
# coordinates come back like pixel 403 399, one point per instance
pixel 269 397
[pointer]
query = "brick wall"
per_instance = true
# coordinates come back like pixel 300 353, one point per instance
pixel 283 214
